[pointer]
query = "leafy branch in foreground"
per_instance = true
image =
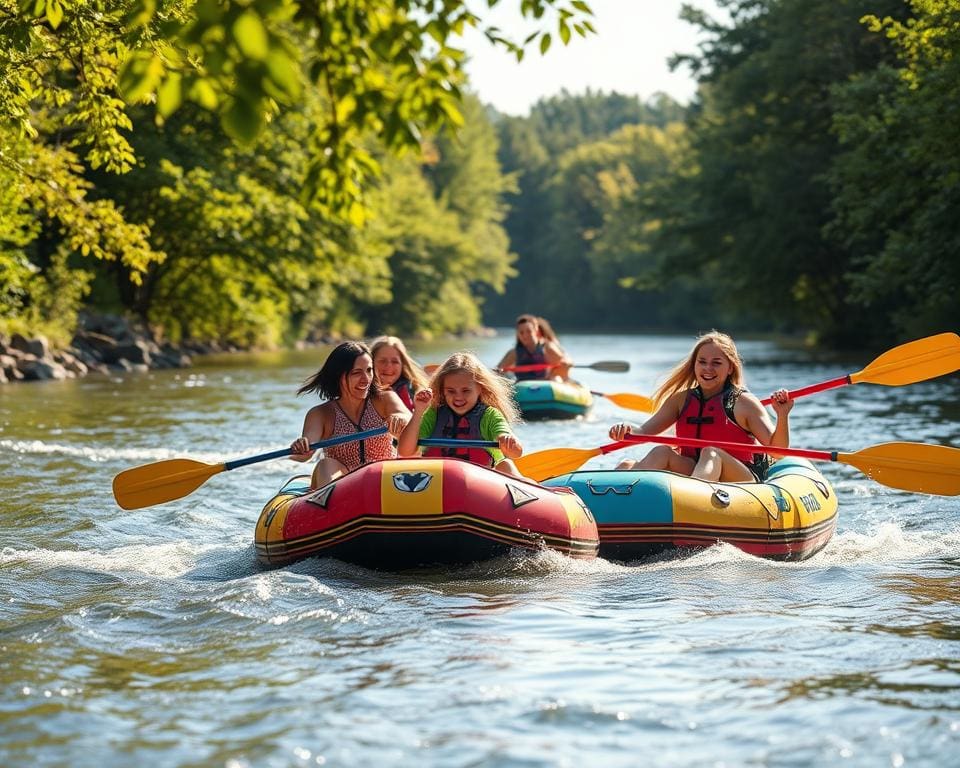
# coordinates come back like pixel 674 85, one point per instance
pixel 385 67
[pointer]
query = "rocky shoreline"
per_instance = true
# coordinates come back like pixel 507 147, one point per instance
pixel 102 344
pixel 110 344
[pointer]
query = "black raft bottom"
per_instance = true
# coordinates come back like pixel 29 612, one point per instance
pixel 390 552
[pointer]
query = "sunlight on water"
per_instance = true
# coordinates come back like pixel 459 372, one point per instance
pixel 153 637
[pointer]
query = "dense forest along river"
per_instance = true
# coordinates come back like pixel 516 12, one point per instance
pixel 152 637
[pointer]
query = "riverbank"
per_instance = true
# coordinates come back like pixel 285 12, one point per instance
pixel 102 344
pixel 110 344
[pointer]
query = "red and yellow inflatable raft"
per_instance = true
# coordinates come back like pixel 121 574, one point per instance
pixel 416 512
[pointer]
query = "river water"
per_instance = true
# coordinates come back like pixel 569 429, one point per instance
pixel 151 637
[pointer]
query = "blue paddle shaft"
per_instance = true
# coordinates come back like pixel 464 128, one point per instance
pixel 443 442
pixel 313 446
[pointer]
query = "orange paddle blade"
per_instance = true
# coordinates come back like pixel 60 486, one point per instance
pixel 629 401
pixel 917 467
pixel 161 481
pixel 914 361
pixel 555 461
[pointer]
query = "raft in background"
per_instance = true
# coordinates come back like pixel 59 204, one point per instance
pixel 640 513
pixel 550 399
pixel 417 512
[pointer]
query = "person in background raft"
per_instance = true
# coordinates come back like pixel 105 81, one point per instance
pixel 354 403
pixel 704 396
pixel 537 345
pixel 465 401
pixel 396 370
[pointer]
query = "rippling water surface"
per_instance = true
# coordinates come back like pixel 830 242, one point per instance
pixel 151 637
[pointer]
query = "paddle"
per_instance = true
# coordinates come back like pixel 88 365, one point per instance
pixel 610 366
pixel 452 442
pixel 919 467
pixel 908 363
pixel 172 479
pixel 628 400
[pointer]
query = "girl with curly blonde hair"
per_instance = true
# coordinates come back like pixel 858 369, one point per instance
pixel 465 401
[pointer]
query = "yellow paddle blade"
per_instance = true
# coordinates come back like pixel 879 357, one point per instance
pixel 630 401
pixel 161 481
pixel 555 461
pixel 914 361
pixel 910 466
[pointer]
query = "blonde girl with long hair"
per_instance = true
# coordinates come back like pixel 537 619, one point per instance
pixel 705 397
pixel 396 369
pixel 466 401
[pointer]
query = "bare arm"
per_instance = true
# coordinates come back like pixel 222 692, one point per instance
pixel 556 355
pixel 389 405
pixel 407 440
pixel 754 418
pixel 317 425
pixel 510 446
pixel 508 360
pixel 665 417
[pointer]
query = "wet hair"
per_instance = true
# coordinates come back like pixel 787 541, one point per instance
pixel 326 381
pixel 494 390
pixel 683 375
pixel 409 370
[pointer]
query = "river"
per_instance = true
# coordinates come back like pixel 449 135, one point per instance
pixel 151 637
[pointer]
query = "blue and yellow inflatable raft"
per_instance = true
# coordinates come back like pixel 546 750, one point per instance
pixel 642 513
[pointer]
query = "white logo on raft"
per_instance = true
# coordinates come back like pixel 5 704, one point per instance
pixel 412 482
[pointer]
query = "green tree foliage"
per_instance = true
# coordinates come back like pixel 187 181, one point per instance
pixel 897 183
pixel 386 67
pixel 205 238
pixel 59 114
pixel 566 121
pixel 574 158
pixel 442 228
pixel 813 190
pixel 751 215
pixel 246 261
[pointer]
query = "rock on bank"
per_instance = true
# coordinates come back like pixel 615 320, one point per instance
pixel 102 344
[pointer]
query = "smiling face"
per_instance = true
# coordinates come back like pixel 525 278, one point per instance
pixel 460 391
pixel 711 367
pixel 356 382
pixel 527 334
pixel 388 364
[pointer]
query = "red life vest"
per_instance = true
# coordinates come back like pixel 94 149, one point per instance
pixel 405 391
pixel 713 419
pixel 525 357
pixel 450 425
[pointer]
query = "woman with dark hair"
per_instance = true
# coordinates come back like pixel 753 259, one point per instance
pixel 353 403
pixel 537 345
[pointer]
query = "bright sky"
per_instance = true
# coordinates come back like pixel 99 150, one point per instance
pixel 628 54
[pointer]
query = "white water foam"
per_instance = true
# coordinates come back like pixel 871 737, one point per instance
pixel 169 560
pixel 889 543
